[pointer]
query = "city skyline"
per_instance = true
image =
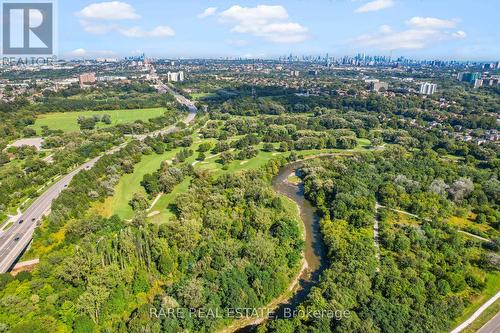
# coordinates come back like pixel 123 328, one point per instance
pixel 449 30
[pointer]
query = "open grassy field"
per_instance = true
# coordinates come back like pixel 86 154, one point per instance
pixel 67 121
pixel 131 183
pixel 363 143
pixel 262 158
pixel 210 163
pixel 163 205
pixel 468 224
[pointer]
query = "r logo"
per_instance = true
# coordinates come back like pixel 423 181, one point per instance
pixel 28 28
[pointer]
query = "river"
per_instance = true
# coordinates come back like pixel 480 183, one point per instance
pixel 315 250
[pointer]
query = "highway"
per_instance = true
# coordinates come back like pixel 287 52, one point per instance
pixel 14 240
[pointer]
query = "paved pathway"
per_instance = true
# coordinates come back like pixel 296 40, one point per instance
pixel 475 315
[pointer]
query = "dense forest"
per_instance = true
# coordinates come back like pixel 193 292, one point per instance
pixel 232 244
pixel 231 241
pixel 427 271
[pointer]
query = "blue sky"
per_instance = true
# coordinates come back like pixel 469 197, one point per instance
pixel 430 29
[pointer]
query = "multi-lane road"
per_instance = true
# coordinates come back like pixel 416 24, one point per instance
pixel 18 236
pixel 14 240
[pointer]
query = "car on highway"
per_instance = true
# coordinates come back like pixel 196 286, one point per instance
pixel 21 221
pixel 16 239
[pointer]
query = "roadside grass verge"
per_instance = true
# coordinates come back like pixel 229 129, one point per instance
pixel 492 287
pixel 486 316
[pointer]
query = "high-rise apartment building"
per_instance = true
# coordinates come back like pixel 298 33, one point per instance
pixel 175 76
pixel 468 77
pixel 427 88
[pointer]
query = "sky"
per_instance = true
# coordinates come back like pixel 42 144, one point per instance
pixel 420 29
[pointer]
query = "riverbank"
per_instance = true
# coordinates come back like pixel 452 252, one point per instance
pixel 314 255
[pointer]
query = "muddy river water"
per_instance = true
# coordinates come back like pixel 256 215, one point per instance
pixel 314 251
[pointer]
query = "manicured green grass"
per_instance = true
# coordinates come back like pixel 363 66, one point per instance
pixel 237 165
pixel 263 157
pixel 211 164
pixel 3 219
pixel 453 157
pixel 163 205
pixel 365 143
pixel 131 183
pixel 8 226
pixel 68 121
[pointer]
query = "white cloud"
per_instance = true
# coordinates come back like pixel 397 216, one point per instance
pixel 268 22
pixel 138 32
pixel 259 14
pixel 422 32
pixel 83 53
pixel 109 11
pixel 284 32
pixel 375 5
pixel 99 18
pixel 78 52
pixel 385 29
pixel 208 12
pixel 431 23
pixel 408 39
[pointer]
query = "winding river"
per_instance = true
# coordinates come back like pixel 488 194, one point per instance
pixel 315 251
